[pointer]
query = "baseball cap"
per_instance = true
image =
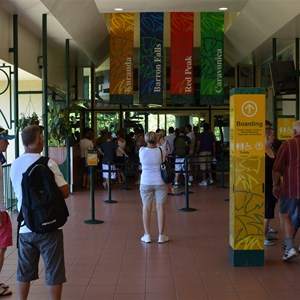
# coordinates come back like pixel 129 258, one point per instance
pixel 4 134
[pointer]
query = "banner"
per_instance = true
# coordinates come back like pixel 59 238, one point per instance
pixel 212 58
pixel 151 58
pixel 121 58
pixel 182 48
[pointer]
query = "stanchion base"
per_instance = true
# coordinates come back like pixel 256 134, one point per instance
pixel 110 201
pixel 187 209
pixel 93 222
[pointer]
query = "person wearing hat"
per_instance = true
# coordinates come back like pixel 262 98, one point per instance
pixel 5 223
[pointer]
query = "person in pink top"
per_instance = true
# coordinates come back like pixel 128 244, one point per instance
pixel 5 223
pixel 287 163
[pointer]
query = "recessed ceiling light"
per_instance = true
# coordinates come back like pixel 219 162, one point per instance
pixel 118 9
pixel 223 8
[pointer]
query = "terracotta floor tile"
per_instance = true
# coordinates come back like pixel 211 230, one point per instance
pixel 108 261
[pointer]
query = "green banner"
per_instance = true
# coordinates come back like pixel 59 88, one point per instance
pixel 212 58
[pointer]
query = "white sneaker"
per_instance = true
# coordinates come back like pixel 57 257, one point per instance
pixel 211 181
pixel 203 183
pixel 162 239
pixel 289 254
pixel 146 238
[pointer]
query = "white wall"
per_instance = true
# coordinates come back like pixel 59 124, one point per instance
pixel 27 104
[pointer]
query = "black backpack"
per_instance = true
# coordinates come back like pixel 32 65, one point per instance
pixel 181 148
pixel 43 206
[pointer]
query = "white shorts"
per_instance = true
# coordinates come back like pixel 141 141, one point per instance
pixel 179 164
pixel 113 174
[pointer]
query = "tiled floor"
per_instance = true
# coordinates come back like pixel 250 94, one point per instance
pixel 107 261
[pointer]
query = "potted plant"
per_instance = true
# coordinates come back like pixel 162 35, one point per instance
pixel 59 128
pixel 27 120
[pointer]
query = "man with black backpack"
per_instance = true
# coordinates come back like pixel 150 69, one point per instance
pixel 49 241
pixel 182 145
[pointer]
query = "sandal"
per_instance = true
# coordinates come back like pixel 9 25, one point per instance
pixel 4 292
pixel 3 285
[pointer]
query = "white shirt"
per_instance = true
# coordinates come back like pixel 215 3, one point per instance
pixel 150 159
pixel 170 138
pixel 192 137
pixel 19 166
pixel 84 145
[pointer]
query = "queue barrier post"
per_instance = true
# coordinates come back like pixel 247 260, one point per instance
pixel 186 188
pixel 125 183
pixel 91 164
pixel 222 172
pixel 109 200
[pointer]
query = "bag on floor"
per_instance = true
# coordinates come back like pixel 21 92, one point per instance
pixel 167 172
pixel 43 205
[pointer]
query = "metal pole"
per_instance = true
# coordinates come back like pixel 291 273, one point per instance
pixel 109 186
pixel 68 91
pixel 186 188
pixel 45 82
pixel 16 81
pixel 92 198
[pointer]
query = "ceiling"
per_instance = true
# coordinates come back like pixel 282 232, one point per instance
pixel 251 24
pixel 108 6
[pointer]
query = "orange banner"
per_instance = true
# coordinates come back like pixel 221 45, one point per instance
pixel 121 57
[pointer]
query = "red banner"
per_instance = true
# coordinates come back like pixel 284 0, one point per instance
pixel 182 45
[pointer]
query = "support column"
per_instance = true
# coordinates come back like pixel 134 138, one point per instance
pixel 247 176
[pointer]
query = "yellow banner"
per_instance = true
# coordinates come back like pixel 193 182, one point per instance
pixel 121 53
pixel 285 128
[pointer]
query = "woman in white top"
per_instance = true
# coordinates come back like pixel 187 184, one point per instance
pixel 152 187
pixel 162 142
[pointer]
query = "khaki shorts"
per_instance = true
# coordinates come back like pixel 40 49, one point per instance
pixel 205 160
pixel 150 193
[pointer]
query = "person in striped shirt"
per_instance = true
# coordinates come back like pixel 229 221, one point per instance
pixel 287 162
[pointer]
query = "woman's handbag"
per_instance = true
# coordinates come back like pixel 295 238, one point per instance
pixel 166 170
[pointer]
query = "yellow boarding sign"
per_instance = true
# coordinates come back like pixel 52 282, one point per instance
pixel 249 126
